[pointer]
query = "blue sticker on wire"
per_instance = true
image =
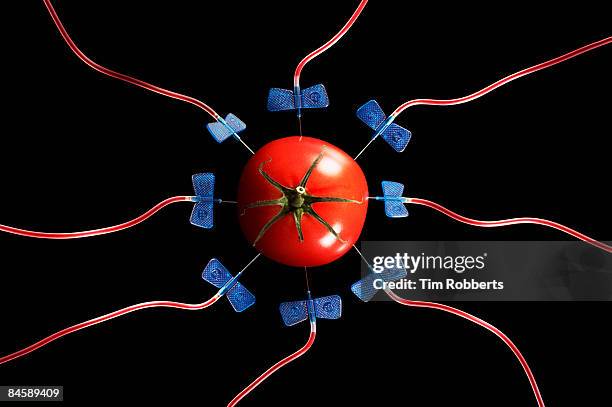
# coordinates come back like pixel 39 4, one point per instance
pixel 219 276
pixel 314 97
pixel 202 214
pixel 294 312
pixel 365 289
pixel 394 202
pixel 222 129
pixel 396 136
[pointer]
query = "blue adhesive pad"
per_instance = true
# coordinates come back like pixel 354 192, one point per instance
pixel 222 131
pixel 293 312
pixel 396 136
pixel 216 274
pixel 204 184
pixel 314 97
pixel 202 215
pixel 329 307
pixel 392 189
pixel 364 289
pixel 240 298
pixel 280 99
pixel 394 203
pixel 204 188
pixel 371 114
pixel 235 123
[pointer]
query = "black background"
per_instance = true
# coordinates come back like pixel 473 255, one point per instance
pixel 81 150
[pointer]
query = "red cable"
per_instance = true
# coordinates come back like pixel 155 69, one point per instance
pixel 484 324
pixel 96 232
pixel 328 44
pixel 277 366
pixel 121 76
pixel 513 221
pixel 503 81
pixel 106 317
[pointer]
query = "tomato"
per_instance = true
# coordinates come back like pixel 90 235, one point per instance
pixel 302 202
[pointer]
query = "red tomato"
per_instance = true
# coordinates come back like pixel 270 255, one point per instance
pixel 302 202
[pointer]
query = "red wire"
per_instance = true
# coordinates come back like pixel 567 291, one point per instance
pixel 277 366
pixel 96 232
pixel 328 44
pixel 121 76
pixel 503 81
pixel 103 318
pixel 482 323
pixel 513 221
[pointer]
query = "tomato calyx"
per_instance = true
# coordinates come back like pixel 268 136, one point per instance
pixel 295 201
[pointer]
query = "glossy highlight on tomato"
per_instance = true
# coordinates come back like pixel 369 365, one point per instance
pixel 302 201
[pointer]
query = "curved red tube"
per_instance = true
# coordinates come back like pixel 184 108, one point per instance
pixel 104 318
pixel 96 232
pixel 482 323
pixel 508 222
pixel 328 44
pixel 120 76
pixel 503 81
pixel 278 365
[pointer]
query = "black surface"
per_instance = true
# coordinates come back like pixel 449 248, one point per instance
pixel 81 150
